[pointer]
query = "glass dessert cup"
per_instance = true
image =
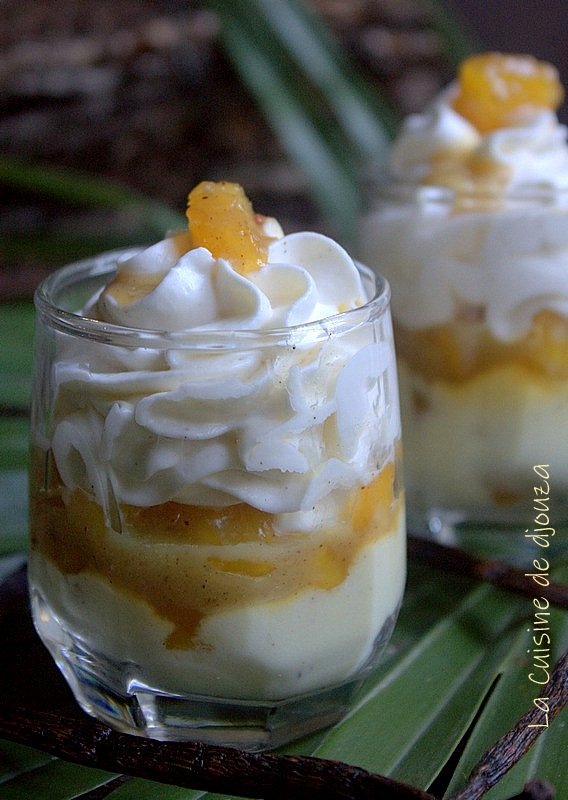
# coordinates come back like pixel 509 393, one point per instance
pixel 245 623
pixel 479 282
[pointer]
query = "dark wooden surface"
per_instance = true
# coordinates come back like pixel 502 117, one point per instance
pixel 28 676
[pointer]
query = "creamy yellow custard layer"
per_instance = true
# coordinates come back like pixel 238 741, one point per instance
pixel 478 413
pixel 472 444
pixel 217 601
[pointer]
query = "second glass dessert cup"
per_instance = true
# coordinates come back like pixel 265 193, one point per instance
pixel 217 518
pixel 480 291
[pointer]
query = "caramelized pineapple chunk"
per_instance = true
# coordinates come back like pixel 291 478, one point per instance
pixel 378 495
pixel 221 218
pixel 547 344
pixel 199 525
pixel 497 90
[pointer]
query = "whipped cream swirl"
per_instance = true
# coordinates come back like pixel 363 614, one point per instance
pixel 278 427
pixel 533 153
pixel 505 259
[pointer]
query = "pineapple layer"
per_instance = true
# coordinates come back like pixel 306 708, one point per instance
pixel 217 601
pixel 189 562
pixel 265 650
pixel 464 348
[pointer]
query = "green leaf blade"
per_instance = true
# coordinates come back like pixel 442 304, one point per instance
pixel 13 509
pixel 513 696
pixel 329 174
pixel 368 124
pixel 70 187
pixel 17 759
pixel 16 335
pixel 138 789
pixel 53 780
pixel 432 694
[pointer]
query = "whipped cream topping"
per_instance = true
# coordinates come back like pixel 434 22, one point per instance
pixel 307 277
pixel 534 153
pixel 280 428
pixel 507 264
pixel 504 260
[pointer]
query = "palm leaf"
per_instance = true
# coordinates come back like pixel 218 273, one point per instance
pixel 137 789
pixel 304 41
pixel 16 334
pixel 54 779
pixel 435 721
pixel 66 186
pixel 332 124
pixel 325 117
pixel 134 218
pixel 13 494
pixel 304 133
pixel 52 248
pixel 453 640
pixel 513 695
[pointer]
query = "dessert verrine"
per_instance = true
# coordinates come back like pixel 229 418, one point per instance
pixel 216 499
pixel 472 234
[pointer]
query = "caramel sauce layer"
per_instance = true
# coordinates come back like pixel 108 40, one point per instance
pixel 189 562
pixel 129 287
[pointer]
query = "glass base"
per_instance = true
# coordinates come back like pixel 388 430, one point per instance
pixel 106 690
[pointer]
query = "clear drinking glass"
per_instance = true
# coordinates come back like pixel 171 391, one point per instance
pixel 479 296
pixel 201 617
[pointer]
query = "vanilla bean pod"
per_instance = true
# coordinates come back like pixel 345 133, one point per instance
pixel 85 741
pixel 511 747
pixel 495 572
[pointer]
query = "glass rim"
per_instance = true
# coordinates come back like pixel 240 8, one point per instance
pixel 400 189
pixel 104 264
